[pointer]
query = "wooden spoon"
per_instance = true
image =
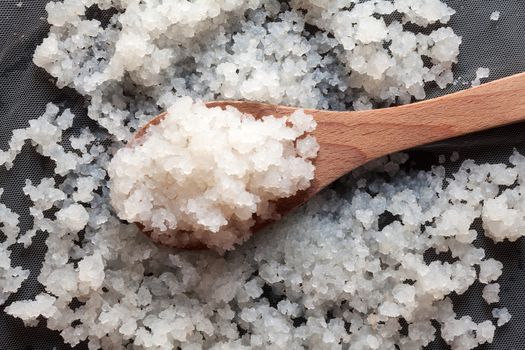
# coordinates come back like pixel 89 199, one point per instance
pixel 351 139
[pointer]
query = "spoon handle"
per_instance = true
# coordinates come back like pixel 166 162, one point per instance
pixel 383 131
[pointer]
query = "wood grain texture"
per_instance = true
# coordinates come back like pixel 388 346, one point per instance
pixel 351 139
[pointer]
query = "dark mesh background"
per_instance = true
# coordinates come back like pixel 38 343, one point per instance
pixel 26 89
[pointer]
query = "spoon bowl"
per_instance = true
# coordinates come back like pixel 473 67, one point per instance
pixel 350 139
